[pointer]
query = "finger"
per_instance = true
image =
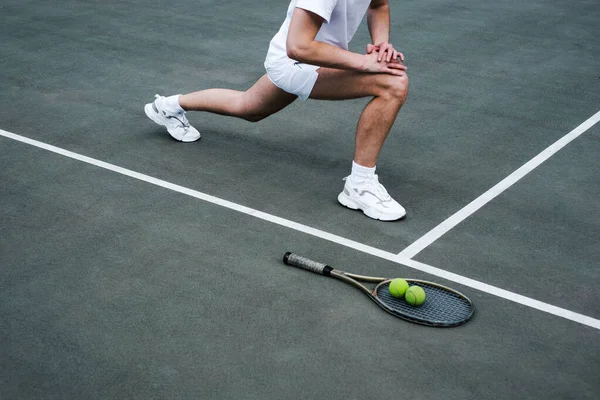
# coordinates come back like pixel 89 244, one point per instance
pixel 397 65
pixel 386 52
pixel 390 54
pixel 388 49
pixel 401 56
pixel 395 72
pixel 383 49
pixel 370 48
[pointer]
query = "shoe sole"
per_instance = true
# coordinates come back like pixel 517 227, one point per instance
pixel 346 201
pixel 152 115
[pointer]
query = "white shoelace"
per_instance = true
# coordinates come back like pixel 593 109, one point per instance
pixel 183 120
pixel 180 116
pixel 377 188
pixel 380 191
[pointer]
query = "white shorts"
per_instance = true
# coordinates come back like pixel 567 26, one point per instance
pixel 293 77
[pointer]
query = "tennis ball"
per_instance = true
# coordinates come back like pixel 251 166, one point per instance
pixel 415 295
pixel 398 287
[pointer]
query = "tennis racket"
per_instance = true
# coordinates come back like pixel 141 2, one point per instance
pixel 443 307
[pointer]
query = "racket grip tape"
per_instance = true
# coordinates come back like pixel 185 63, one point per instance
pixel 304 263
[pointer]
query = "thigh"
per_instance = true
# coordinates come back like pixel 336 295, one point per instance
pixel 293 77
pixel 338 84
pixel 264 98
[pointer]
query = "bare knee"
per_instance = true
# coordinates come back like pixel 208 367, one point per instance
pixel 243 109
pixel 254 117
pixel 247 110
pixel 393 87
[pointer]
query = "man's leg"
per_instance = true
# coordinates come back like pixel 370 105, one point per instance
pixel 362 189
pixel 254 104
pixel 389 93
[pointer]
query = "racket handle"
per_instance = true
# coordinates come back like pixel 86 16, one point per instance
pixel 304 263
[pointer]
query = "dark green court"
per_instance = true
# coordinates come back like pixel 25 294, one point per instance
pixel 112 287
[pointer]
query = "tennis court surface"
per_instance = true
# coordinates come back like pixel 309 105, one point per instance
pixel 138 267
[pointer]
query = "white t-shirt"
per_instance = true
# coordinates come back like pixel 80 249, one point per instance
pixel 342 19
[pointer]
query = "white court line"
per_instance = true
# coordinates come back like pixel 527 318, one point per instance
pixel 434 234
pixel 570 315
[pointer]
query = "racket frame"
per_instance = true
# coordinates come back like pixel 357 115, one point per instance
pixel 355 279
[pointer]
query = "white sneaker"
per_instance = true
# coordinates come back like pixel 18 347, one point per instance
pixel 372 198
pixel 176 123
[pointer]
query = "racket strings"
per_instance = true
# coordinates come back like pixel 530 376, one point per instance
pixel 441 307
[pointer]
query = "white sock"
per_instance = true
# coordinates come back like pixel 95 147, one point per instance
pixel 172 104
pixel 360 174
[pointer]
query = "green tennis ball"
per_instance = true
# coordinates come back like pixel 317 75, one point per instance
pixel 398 287
pixel 415 295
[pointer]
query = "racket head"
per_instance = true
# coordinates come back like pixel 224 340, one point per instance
pixel 443 306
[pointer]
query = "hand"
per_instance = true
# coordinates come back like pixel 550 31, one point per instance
pixel 386 51
pixel 373 65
